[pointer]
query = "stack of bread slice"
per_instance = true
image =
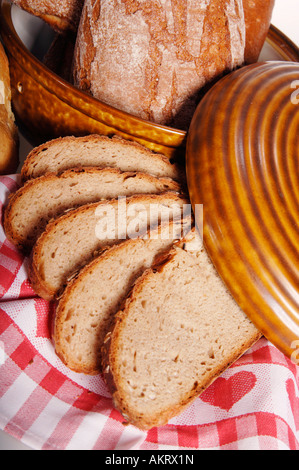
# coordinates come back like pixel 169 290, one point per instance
pixel 109 229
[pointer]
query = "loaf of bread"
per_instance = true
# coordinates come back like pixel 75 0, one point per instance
pixel 9 144
pixel 86 309
pixel 61 15
pixel 97 151
pixel 178 330
pixel 59 56
pixel 73 240
pixel 45 198
pixel 153 59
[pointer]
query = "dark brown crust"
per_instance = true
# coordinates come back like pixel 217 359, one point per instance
pixel 9 232
pixel 86 59
pixel 109 350
pixel 36 153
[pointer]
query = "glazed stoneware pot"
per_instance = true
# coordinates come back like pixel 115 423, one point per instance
pixel 243 167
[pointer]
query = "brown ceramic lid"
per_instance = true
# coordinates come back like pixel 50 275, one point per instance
pixel 243 166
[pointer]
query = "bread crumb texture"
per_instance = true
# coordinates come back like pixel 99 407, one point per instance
pixel 179 330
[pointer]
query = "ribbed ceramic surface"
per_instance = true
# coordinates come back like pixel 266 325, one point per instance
pixel 243 166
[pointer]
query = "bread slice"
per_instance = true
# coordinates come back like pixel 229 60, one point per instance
pixel 90 300
pixel 95 150
pixel 71 241
pixel 179 329
pixel 47 197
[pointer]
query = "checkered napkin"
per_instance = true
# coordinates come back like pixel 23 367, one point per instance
pixel 253 405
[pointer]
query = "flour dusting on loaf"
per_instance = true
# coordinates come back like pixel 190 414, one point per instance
pixel 160 52
pixel 60 14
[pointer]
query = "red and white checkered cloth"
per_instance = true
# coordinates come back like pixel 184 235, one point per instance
pixel 253 405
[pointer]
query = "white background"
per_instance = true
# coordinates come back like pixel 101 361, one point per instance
pixel 286 18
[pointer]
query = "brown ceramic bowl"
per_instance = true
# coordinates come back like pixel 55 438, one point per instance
pixel 47 106
pixel 242 166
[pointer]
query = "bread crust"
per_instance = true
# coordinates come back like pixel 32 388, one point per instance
pixel 109 355
pixel 9 141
